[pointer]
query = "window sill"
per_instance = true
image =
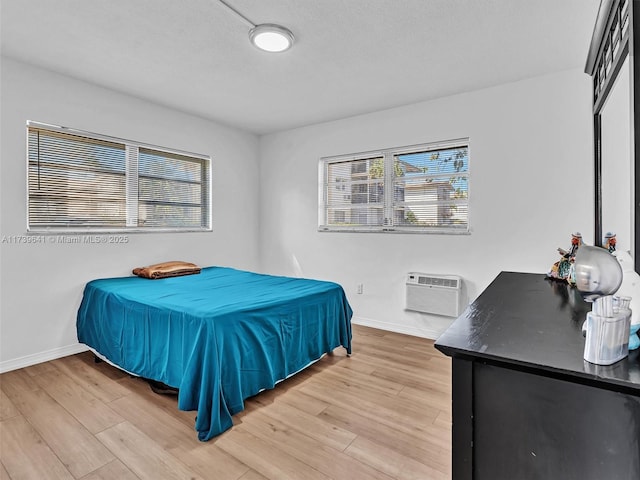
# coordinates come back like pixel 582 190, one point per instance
pixel 395 230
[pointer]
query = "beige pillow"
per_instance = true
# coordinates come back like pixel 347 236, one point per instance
pixel 167 269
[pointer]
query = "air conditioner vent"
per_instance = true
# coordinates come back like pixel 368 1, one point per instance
pixel 431 293
pixel 438 281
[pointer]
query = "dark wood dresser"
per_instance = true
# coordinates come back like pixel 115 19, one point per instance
pixel 526 406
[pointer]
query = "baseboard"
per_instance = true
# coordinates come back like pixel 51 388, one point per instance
pixel 36 358
pixel 394 327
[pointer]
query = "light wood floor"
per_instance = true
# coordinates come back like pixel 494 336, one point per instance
pixel 383 413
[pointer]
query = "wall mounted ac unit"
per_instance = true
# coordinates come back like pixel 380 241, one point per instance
pixel 436 294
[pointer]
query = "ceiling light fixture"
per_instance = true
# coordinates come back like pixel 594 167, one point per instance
pixel 268 37
pixel 271 38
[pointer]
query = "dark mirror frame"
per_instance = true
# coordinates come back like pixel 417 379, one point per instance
pixel 610 46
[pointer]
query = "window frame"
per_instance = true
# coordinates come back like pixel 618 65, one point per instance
pixel 132 178
pixel 388 155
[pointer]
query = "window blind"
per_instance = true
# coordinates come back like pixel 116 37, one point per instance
pixel 355 192
pixel 170 190
pixel 421 188
pixel 81 181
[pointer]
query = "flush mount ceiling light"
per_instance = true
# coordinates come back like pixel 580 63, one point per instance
pixel 267 36
pixel 271 38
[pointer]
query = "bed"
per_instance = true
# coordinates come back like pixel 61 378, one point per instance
pixel 219 337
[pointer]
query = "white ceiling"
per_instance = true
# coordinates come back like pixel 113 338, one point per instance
pixel 350 56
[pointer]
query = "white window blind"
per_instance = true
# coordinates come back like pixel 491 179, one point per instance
pixel 355 192
pixel 170 190
pixel 422 188
pixel 78 181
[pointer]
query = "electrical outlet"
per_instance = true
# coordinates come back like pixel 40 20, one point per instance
pixel 360 288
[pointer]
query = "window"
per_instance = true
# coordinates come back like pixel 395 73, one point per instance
pixel 80 181
pixel 423 188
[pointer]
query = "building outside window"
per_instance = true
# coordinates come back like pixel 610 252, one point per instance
pixel 422 188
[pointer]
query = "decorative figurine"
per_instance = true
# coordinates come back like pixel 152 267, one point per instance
pixel 563 268
pixel 610 242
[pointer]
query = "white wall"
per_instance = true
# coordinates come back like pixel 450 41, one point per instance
pixel 531 186
pixel 41 285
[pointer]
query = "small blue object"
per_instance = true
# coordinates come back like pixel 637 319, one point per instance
pixel 634 339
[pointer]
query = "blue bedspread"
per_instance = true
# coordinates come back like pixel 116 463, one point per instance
pixel 220 336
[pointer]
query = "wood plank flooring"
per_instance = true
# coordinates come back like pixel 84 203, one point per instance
pixel 382 414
